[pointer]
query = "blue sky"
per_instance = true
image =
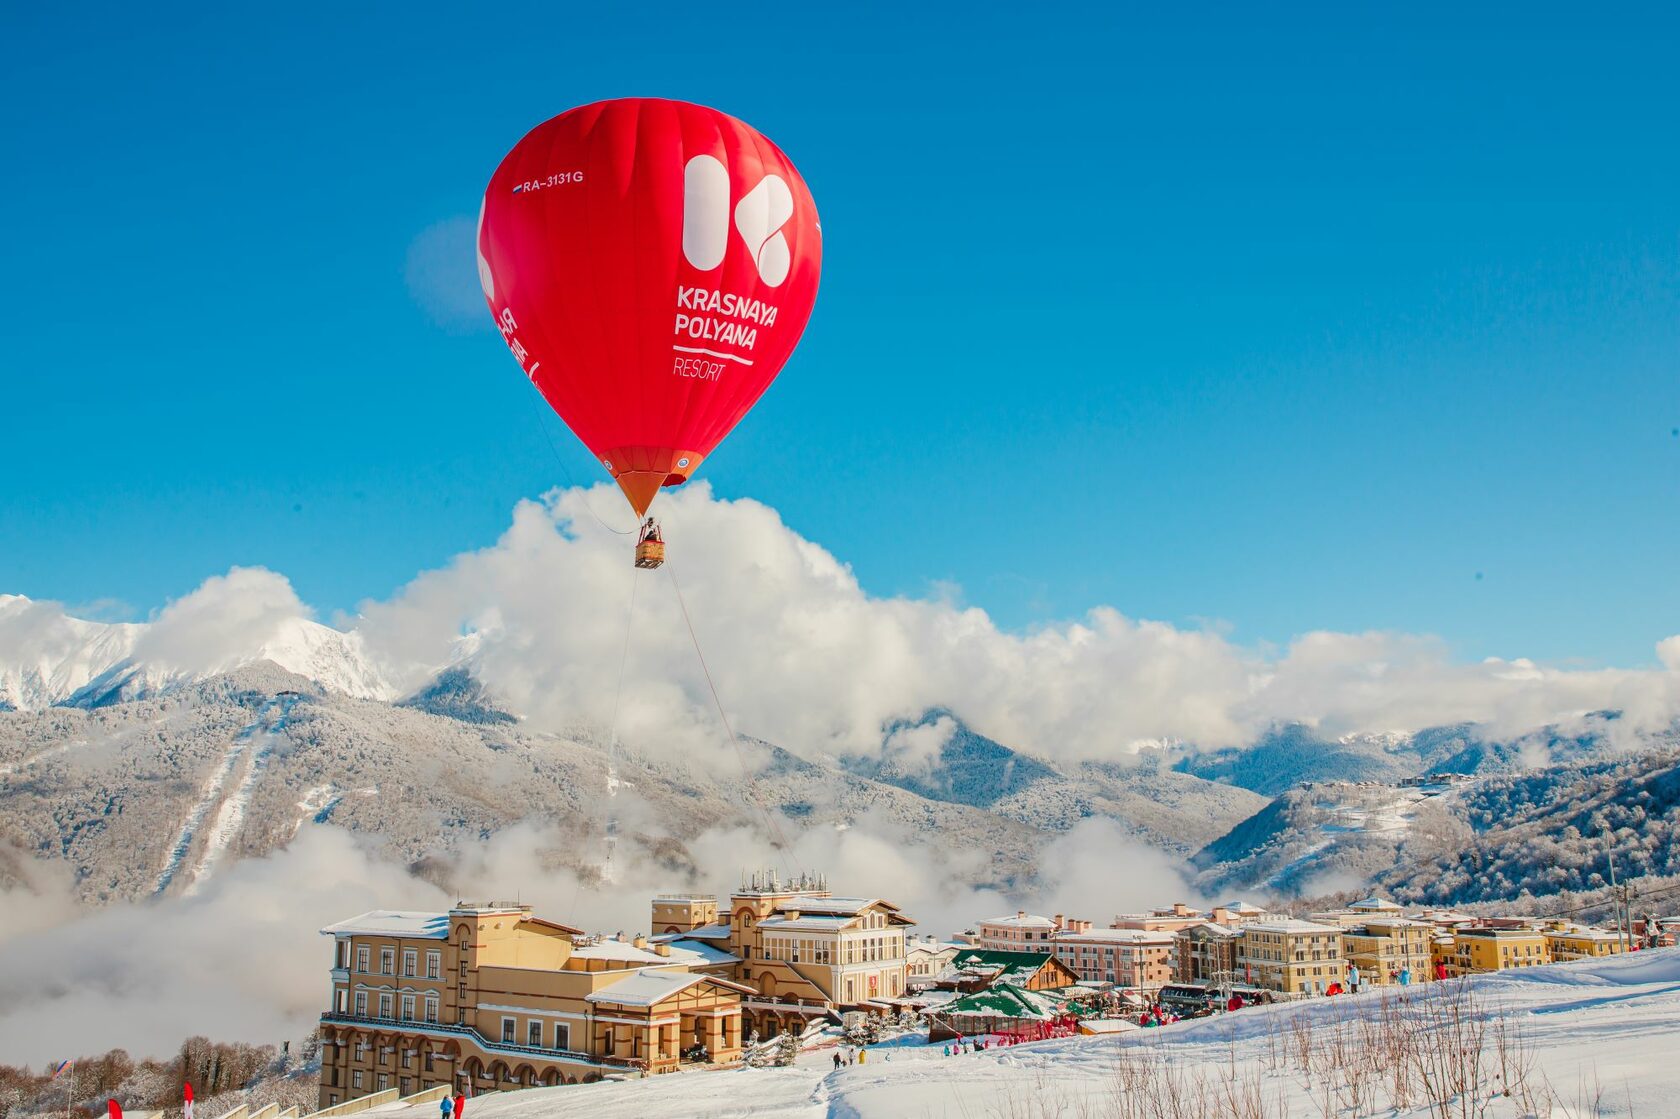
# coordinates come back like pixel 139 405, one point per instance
pixel 1336 319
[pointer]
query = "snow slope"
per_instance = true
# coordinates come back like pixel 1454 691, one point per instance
pixel 1601 1032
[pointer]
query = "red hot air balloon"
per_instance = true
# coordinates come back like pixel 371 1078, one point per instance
pixel 651 264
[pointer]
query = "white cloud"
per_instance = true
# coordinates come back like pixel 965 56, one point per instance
pixel 442 276
pixel 803 657
pixel 221 623
pixel 238 962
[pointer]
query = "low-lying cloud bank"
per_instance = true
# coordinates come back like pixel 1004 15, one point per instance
pixel 242 961
pixel 806 659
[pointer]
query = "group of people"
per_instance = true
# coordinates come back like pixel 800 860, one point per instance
pixel 844 1057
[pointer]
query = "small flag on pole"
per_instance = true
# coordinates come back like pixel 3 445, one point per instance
pixel 186 1108
pixel 62 1067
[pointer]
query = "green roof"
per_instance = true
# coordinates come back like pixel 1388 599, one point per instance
pixel 1001 1000
pixel 1012 967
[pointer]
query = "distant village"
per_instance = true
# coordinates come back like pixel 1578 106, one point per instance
pixel 491 997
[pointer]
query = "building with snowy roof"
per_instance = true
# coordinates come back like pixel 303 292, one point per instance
pixel 1292 957
pixel 975 969
pixel 807 953
pixel 483 998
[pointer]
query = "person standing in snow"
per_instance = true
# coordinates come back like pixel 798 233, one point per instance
pixel 836 1065
pixel 863 1055
pixel 1353 979
pixel 447 1106
pixel 947 1050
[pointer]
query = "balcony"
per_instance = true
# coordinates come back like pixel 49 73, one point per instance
pixel 489 1046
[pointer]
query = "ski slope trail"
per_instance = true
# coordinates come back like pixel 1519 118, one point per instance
pixel 251 746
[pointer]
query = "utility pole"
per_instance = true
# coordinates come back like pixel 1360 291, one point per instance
pixel 1615 891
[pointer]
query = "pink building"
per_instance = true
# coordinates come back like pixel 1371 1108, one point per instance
pixel 1124 957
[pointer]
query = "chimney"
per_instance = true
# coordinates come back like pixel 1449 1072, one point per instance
pixel 640 941
pixel 1060 924
pixel 1019 913
pixel 662 948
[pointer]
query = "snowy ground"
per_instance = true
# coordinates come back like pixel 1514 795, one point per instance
pixel 1602 1036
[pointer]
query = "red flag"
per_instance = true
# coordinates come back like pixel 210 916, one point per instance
pixel 114 1108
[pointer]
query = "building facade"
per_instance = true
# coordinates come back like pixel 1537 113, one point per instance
pixel 1023 932
pixel 1389 950
pixel 1292 957
pixel 1471 950
pixel 925 958
pixel 1206 954
pixel 1133 958
pixel 805 953
pixel 487 998
pixel 1565 942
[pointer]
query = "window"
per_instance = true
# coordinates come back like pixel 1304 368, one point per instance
pixel 431 1008
pixel 408 1008
pixel 344 953
pixel 461 993
pixel 533 1034
pixel 387 960
pixel 343 1000
pixel 384 1006
pixel 426 1059
pixel 434 965
pixel 508 1025
pixel 361 1004
pixel 356 1079
pixel 411 961
pixel 362 959
pixel 381 1082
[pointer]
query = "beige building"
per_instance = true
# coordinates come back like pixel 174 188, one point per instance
pixel 1469 950
pixel 1358 913
pixel 486 998
pixel 1385 949
pixel 805 953
pixel 1565 941
pixel 925 958
pixel 1292 957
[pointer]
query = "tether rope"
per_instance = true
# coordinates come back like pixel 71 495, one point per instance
pixel 777 839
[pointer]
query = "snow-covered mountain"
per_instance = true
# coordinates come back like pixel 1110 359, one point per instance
pixel 46 656
pixel 49 658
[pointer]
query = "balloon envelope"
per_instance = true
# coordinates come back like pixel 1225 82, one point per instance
pixel 651 265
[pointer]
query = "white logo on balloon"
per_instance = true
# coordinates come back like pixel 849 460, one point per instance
pixel 759 218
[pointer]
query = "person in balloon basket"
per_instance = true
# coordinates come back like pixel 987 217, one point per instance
pixel 650 531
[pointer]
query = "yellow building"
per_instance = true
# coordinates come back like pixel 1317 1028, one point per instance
pixel 486 998
pixel 806 953
pixel 1565 941
pixel 1471 950
pixel 1387 949
pixel 1292 957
